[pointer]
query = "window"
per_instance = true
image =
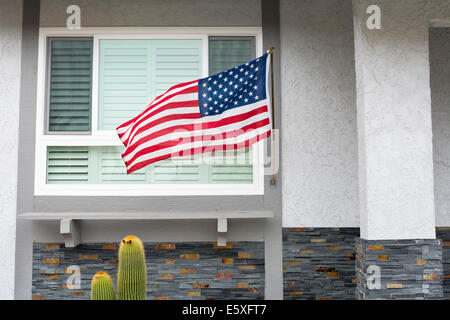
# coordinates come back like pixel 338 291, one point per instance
pixel 92 82
pixel 69 85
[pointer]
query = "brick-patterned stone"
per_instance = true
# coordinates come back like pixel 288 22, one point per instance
pixel 247 267
pixel 52 246
pixel 315 240
pixel 444 235
pixel 190 256
pixel 188 271
pixel 88 257
pixel 394 286
pixel 51 261
pixel 197 275
pixel 327 268
pixel 409 269
pixel 227 260
pixel 110 246
pixel 229 245
pixel 165 246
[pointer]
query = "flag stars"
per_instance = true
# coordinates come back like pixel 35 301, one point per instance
pixel 233 88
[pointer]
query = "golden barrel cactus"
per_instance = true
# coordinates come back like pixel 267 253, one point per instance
pixel 132 275
pixel 102 287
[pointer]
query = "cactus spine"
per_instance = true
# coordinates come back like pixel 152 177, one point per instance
pixel 132 276
pixel 102 287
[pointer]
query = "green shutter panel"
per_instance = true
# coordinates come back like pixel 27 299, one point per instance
pixel 124 81
pixel 70 80
pixel 174 62
pixel 226 53
pixel 113 170
pixel 176 171
pixel 67 165
pixel 134 72
pixel 232 168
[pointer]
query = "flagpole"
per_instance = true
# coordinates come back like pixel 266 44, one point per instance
pixel 272 182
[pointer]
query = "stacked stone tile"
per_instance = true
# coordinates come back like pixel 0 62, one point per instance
pixel 319 263
pixel 444 235
pixel 175 270
pixel 408 269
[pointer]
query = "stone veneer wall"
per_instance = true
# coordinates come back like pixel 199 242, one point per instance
pixel 319 263
pixel 444 235
pixel 408 269
pixel 175 270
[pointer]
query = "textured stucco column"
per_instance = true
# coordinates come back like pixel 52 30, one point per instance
pixel 394 122
pixel 10 48
pixel 397 211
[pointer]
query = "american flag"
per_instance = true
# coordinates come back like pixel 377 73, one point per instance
pixel 229 110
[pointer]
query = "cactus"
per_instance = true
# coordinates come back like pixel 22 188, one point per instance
pixel 132 276
pixel 102 287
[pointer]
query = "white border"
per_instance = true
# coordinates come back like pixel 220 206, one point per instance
pixel 99 138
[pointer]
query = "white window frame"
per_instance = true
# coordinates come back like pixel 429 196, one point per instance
pixel 102 138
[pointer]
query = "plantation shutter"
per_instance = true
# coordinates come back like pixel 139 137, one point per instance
pixel 228 52
pixel 131 74
pixel 67 165
pixel 112 169
pixel 134 72
pixel 70 81
pixel 225 53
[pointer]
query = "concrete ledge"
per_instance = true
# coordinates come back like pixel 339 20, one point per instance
pixel 179 215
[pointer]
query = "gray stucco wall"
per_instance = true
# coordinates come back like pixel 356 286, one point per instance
pixel 151 13
pixel 10 47
pixel 440 106
pixel 320 166
pixel 263 13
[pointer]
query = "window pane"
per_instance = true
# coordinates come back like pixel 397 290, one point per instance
pixel 70 80
pixel 228 52
pixel 134 72
pixel 104 165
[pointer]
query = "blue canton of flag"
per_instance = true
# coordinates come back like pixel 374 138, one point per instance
pixel 236 87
